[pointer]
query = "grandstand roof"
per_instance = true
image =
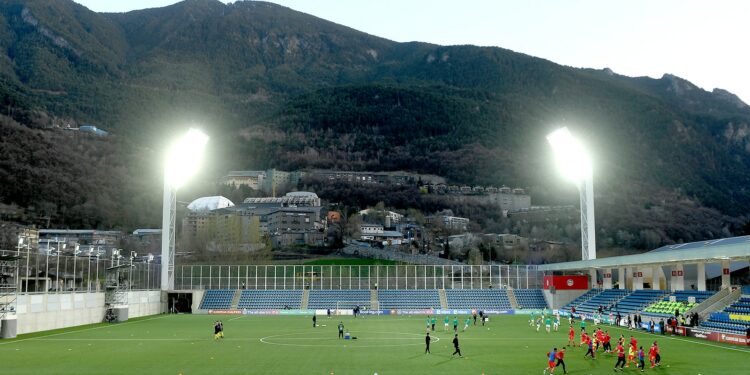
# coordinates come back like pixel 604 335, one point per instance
pixel 732 248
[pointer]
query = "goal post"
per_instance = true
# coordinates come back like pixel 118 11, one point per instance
pixel 346 307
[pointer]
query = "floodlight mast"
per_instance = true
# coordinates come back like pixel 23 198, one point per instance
pixel 183 160
pixel 575 165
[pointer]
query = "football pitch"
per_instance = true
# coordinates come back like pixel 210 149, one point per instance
pixel 184 344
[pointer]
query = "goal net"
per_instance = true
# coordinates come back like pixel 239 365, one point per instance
pixel 347 307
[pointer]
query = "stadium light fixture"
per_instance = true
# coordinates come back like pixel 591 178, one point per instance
pixel 574 164
pixel 183 160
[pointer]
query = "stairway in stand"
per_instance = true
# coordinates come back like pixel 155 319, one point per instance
pixel 443 299
pixel 512 298
pixel 305 299
pixel 236 298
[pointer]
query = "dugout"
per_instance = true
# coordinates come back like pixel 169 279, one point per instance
pixel 180 303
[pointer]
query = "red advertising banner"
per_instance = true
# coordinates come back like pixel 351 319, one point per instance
pixel 727 338
pixel 577 282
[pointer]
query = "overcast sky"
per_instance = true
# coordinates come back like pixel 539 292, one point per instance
pixel 705 42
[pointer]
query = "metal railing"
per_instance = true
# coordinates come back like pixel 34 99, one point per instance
pixel 190 277
pixel 53 273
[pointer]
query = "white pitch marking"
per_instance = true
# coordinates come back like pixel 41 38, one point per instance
pixel 81 330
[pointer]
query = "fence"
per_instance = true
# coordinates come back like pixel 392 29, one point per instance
pixel 189 277
pixel 53 273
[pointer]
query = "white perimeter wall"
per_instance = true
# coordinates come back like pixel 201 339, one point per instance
pixel 42 312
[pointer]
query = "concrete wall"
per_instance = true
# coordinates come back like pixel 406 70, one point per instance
pixel 42 312
pixel 561 297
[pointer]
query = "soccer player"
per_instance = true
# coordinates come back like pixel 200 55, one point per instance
pixel 641 356
pixel 315 320
pixel 571 336
pixel 631 355
pixel 221 329
pixel 467 322
pixel 607 344
pixel 532 320
pixel 652 355
pixel 427 344
pixel 217 330
pixel 329 313
pixel 561 360
pixel 658 355
pixel 583 324
pixel 428 322
pixel 455 324
pixel 446 320
pixel 547 324
pixel 620 357
pixel 556 322
pixel 551 361
pixel 455 345
pixel 474 315
pixel 590 344
pixel 433 321
pixel 538 323
pixel 584 339
pixel 633 342
pixel 341 330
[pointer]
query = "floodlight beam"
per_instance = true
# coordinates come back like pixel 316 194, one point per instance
pixel 574 164
pixel 182 162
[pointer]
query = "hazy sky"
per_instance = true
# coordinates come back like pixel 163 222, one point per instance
pixel 705 42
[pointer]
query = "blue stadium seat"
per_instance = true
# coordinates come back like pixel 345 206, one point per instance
pixel 481 299
pixel 270 299
pixel 328 299
pixel 530 298
pixel 217 299
pixel 409 299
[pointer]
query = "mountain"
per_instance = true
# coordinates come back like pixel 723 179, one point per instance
pixel 279 88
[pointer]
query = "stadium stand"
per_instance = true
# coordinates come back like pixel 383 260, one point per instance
pixel 665 307
pixel 638 300
pixel 409 299
pixel 217 299
pixel 530 298
pixel 327 299
pixel 606 299
pixel 724 322
pixel 591 293
pixel 478 299
pixel 270 299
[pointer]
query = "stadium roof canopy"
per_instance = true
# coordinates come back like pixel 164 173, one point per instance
pixel 732 248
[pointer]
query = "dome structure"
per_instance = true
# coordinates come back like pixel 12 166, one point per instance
pixel 209 203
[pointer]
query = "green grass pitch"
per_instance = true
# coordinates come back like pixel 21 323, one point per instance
pixel 184 344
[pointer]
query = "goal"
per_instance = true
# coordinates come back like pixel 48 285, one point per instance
pixel 346 307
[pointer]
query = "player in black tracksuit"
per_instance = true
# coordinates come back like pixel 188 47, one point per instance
pixel 427 343
pixel 455 345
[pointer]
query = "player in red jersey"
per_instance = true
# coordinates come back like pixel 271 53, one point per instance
pixel 584 338
pixel 551 356
pixel 633 342
pixel 620 357
pixel 561 360
pixel 607 344
pixel 571 336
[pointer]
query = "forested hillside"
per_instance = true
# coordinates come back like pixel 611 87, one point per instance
pixel 278 88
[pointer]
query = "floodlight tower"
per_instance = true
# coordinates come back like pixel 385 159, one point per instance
pixel 183 160
pixel 574 164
